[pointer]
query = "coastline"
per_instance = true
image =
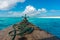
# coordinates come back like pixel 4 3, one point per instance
pixel 39 33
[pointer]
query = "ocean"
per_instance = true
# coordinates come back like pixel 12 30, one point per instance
pixel 51 25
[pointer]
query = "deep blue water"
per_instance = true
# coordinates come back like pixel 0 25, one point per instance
pixel 51 25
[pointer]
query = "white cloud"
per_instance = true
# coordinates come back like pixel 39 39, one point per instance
pixel 5 4
pixel 54 10
pixel 14 14
pixel 32 11
pixel 29 10
pixel 42 10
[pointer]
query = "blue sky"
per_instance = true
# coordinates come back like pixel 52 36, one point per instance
pixel 33 8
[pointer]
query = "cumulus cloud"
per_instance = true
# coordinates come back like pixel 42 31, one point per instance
pixel 32 11
pixel 29 10
pixel 42 10
pixel 5 4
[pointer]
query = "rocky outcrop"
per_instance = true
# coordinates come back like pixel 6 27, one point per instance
pixel 36 34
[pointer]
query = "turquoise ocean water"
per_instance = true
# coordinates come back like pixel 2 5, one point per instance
pixel 51 25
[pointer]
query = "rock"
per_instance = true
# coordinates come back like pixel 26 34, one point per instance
pixel 37 33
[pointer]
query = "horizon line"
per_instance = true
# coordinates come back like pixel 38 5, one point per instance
pixel 49 17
